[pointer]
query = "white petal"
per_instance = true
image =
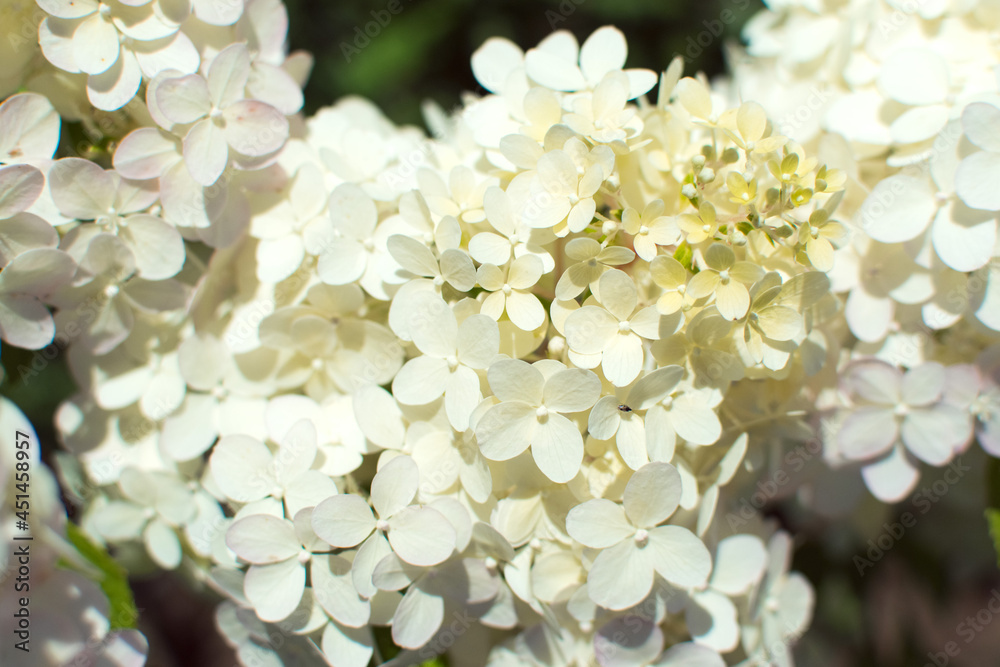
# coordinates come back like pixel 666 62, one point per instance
pixel 421 380
pixel 598 524
pixel 740 561
pixel 347 647
pixel 652 494
pixel 898 209
pixel 334 590
pixel 20 186
pixel 343 520
pixel 478 341
pixel 421 536
pixel 963 240
pixel 162 544
pixel 892 478
pixel 493 62
pixel 145 153
pixel 275 590
pixel 933 434
pixel 506 430
pixel 628 641
pixel 604 51
pixel 571 390
pixel 914 75
pixel 417 618
pixel 868 316
pixel 95 44
pixel 373 551
pixel 557 448
pixel 923 384
pixel 688 654
pixel 342 262
pixel 552 71
pixel 395 486
pixel 31 128
pixel 113 89
pixel 695 422
pixel 975 181
pixel 206 152
pixel 228 74
pixel 867 432
pixel 254 128
pixel 711 619
pixel 590 329
pixel 679 556
pixel 242 467
pixel 981 122
pixel 516 380
pixel 620 577
pixel 263 539
pixel 631 441
pixel 604 418
pixel 308 490
pixel 81 189
pixel 622 359
pixel 158 247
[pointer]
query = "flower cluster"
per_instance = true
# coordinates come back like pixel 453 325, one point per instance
pixel 363 382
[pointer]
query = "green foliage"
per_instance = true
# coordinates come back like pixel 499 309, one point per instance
pixel 993 521
pixel 114 580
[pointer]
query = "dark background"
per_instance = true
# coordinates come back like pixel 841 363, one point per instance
pixel 908 605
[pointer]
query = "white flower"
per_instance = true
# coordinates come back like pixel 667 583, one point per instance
pixel 116 44
pixel 25 280
pixel 349 254
pixel 530 414
pixel 278 551
pixel 650 229
pixel 892 406
pixel 592 261
pixel 515 238
pixel 612 333
pixel 216 117
pixel 107 295
pixel 565 185
pixel 155 506
pixel 634 546
pixel 30 129
pixel 510 291
pixel 246 470
pixel 780 609
pixel 740 561
pixel 453 267
pixel 448 587
pixel 725 279
pixel 621 416
pixel 420 536
pixel 286 227
pixel 84 191
pixel 558 63
pixel 452 354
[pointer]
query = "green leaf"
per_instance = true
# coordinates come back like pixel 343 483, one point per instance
pixel 685 256
pixel 993 520
pixel 114 581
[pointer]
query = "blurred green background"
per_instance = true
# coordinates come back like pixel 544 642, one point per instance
pixel 423 51
pixel 893 619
